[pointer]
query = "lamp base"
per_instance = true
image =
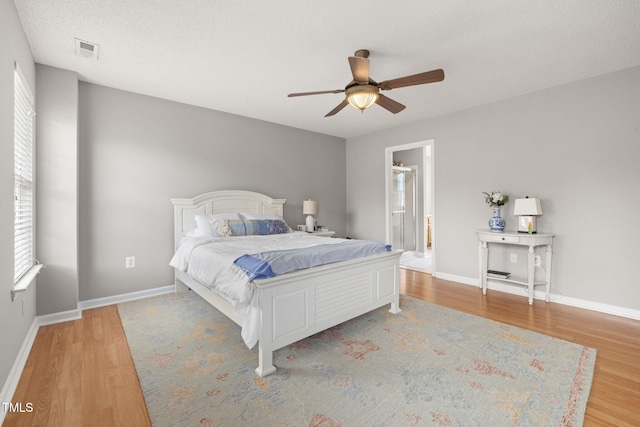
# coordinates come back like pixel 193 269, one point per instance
pixel 527 224
pixel 311 224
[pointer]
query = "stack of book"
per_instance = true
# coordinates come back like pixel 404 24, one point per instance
pixel 498 274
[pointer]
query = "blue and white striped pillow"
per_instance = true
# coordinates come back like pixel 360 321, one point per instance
pixel 264 224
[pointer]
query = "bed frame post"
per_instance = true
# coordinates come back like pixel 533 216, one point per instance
pixel 265 342
pixel 181 287
pixel 395 304
pixel 265 360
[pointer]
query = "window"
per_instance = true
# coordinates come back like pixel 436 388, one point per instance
pixel 23 186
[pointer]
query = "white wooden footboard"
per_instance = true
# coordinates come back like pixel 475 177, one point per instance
pixel 299 304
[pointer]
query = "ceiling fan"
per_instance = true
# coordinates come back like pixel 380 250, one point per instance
pixel 362 92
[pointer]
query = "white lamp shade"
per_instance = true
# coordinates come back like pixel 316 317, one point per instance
pixel 309 207
pixel 529 206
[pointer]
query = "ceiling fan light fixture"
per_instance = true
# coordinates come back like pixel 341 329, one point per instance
pixel 362 97
pixel 362 92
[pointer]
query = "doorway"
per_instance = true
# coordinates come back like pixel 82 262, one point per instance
pixel 403 209
pixel 409 193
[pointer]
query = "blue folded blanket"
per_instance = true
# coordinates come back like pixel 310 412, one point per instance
pixel 272 263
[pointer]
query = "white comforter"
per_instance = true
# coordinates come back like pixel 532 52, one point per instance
pixel 209 260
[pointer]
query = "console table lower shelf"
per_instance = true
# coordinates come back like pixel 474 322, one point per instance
pixel 517 280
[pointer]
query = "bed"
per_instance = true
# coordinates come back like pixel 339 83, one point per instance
pixel 300 303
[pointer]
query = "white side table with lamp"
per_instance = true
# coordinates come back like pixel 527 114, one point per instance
pixel 527 235
pixel 310 208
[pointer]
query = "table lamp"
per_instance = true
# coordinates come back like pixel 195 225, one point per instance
pixel 528 210
pixel 310 208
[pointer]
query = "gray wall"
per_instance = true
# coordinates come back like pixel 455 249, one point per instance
pixel 576 146
pixel 138 152
pixel 57 195
pixel 15 323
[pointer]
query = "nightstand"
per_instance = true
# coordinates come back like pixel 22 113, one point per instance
pixel 323 233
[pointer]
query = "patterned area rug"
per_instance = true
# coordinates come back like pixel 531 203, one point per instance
pixel 427 366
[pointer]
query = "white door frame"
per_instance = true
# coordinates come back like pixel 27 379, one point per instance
pixel 428 185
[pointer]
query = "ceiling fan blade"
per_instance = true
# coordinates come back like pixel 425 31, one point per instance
pixel 414 80
pixel 338 108
pixel 389 104
pixel 359 69
pixel 315 93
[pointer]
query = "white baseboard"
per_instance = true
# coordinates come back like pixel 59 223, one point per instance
pixel 596 306
pixel 11 383
pixel 132 296
pixel 63 316
pixel 454 278
pixel 538 294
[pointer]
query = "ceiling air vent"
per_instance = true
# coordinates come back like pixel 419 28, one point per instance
pixel 87 49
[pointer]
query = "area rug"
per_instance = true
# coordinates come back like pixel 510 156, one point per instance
pixel 427 366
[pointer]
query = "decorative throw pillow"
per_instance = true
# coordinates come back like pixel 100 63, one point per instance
pixel 220 227
pixel 204 224
pixel 266 226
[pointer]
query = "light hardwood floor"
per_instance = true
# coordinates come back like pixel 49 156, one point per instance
pixel 80 373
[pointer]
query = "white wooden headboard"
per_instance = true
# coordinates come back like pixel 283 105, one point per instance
pixel 225 201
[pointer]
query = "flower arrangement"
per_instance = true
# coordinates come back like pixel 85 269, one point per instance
pixel 495 198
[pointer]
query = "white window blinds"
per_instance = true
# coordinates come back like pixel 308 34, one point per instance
pixel 23 187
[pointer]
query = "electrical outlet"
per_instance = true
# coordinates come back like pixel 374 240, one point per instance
pixel 130 262
pixel 514 258
pixel 538 260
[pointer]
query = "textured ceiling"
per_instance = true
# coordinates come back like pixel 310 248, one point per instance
pixel 244 57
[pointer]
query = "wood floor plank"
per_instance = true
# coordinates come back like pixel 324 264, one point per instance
pixel 74 387
pixel 81 373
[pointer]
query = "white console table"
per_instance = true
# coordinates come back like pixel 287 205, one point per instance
pixel 487 237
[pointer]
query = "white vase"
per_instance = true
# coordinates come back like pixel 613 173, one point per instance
pixel 311 223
